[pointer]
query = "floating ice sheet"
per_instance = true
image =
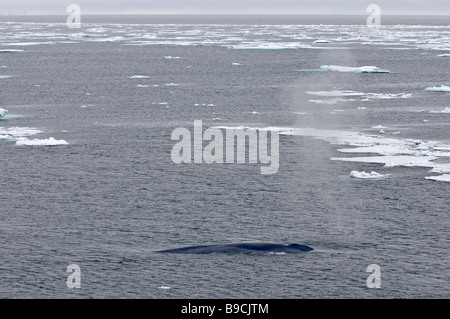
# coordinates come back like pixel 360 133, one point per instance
pixel 250 36
pixel 331 101
pixel 336 93
pixel 11 51
pixel 20 136
pixel 348 69
pixel 442 178
pixel 364 175
pixel 363 96
pixel 41 142
pixel 446 110
pixel 15 132
pixel 442 88
pixel 391 152
pixel 270 46
pixel 139 77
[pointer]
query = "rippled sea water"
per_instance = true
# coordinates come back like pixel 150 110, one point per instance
pixel 115 90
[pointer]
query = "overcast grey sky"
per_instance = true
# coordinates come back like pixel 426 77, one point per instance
pixel 225 6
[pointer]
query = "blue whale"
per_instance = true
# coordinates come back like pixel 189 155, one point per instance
pixel 243 248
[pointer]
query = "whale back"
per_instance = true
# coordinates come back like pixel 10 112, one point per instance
pixel 255 248
pixel 300 247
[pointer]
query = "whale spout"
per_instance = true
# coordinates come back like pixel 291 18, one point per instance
pixel 243 248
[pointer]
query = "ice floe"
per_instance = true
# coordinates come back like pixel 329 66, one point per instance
pixel 322 41
pixel 270 46
pixel 11 51
pixel 336 93
pixel 364 175
pixel 20 135
pixel 240 36
pixel 391 152
pixel 446 110
pixel 388 96
pixel 109 39
pixel 139 77
pixel 14 133
pixel 362 69
pixel 363 96
pixel 331 101
pixel 441 88
pixel 3 112
pixel 41 142
pixel 442 178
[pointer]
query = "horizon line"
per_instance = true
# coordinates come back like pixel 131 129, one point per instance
pixel 223 14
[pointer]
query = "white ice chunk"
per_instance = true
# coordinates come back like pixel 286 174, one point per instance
pixel 336 93
pixel 44 142
pixel 362 69
pixel 446 110
pixel 3 112
pixel 390 161
pixel 441 88
pixel 364 175
pixel 139 77
pixel 366 96
pixel 25 44
pixel 441 168
pixel 388 96
pixel 19 131
pixel 382 150
pixel 270 46
pixel 11 51
pixel 442 178
pixel 331 101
